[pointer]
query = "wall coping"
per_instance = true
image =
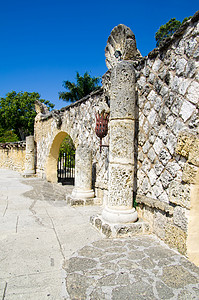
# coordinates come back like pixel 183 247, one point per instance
pixel 13 145
pixel 169 40
pixel 54 112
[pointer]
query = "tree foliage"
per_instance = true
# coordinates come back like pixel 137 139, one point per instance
pixel 67 146
pixel 168 29
pixel 7 136
pixel 85 84
pixel 17 112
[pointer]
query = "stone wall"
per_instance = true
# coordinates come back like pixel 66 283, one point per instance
pixel 166 125
pixel 77 120
pixel 12 156
pixel 168 89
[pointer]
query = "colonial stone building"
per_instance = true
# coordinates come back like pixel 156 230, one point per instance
pixel 153 138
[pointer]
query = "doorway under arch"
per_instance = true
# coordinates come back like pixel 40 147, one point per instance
pixel 51 167
pixel 66 162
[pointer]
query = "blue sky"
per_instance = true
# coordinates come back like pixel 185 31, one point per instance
pixel 43 43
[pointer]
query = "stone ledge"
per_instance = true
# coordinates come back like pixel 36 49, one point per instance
pixel 154 203
pixel 120 230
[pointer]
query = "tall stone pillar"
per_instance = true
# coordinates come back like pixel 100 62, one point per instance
pixel 30 156
pixel 83 174
pixel 119 208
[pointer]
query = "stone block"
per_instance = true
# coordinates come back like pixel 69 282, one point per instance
pixel 122 92
pixel 173 168
pixel 164 197
pixel 157 64
pixel 152 176
pixel 148 215
pixel 193 157
pixel 98 223
pixel 152 155
pixel 164 156
pixel 175 237
pixel 158 168
pixel 146 147
pixel 152 116
pixel 171 143
pixel 163 134
pixel 187 110
pixel 157 189
pixel 158 104
pixel 129 229
pixel 184 144
pixel 160 221
pixel 120 185
pixel 180 66
pixel 158 145
pixel 122 140
pixel 180 194
pixel 180 217
pixel 165 178
pixel 189 173
pixel 106 230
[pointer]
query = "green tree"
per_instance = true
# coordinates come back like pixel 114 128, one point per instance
pixel 85 84
pixel 7 136
pixel 67 146
pixel 168 29
pixel 17 112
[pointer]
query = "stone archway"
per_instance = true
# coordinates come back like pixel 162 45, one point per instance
pixel 51 167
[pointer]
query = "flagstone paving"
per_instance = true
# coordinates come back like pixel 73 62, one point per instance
pixel 137 268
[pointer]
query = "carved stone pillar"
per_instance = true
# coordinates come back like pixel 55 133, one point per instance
pixel 119 208
pixel 83 174
pixel 30 156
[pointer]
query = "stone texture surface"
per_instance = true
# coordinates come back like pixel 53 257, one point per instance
pixel 135 268
pixel 121 44
pixel 167 84
pixel 12 156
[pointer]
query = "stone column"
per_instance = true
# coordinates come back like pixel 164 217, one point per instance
pixel 119 208
pixel 83 174
pixel 30 156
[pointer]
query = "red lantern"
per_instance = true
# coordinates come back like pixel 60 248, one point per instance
pixel 101 128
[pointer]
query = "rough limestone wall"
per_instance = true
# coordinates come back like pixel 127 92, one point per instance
pixel 168 93
pixel 12 156
pixel 77 120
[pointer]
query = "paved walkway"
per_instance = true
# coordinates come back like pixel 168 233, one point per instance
pixel 39 234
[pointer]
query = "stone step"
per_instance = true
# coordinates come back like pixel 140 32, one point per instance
pixel 120 230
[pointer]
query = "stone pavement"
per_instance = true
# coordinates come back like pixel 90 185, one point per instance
pixel 38 231
pixel 48 250
pixel 137 268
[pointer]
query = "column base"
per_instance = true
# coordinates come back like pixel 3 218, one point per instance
pixel 82 194
pixel 28 173
pixel 80 197
pixel 79 202
pixel 139 227
pixel 117 216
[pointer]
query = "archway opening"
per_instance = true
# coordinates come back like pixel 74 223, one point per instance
pixel 52 161
pixel 66 162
